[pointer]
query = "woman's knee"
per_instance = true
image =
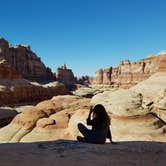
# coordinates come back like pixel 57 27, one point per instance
pixel 83 130
pixel 80 126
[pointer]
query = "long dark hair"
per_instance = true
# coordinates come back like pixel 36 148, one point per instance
pixel 101 115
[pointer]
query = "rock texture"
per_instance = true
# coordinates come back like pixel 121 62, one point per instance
pixel 8 72
pixel 84 80
pixel 6 116
pixel 127 74
pixel 86 92
pixel 23 91
pixel 92 90
pixel 152 87
pixel 98 77
pixel 47 121
pixel 25 62
pixel 65 75
pixel 137 113
pixel 160 106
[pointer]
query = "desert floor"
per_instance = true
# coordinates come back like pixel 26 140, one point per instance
pixel 72 153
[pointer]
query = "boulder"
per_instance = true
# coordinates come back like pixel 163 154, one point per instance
pixel 121 102
pixel 152 87
pixel 48 120
pixel 86 92
pixel 137 114
pixel 6 116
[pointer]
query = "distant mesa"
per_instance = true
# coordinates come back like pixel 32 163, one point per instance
pixel 128 74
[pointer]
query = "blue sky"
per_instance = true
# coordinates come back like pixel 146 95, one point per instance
pixel 85 34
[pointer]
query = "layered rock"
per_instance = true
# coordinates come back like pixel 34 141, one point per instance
pixel 152 87
pixel 86 92
pixel 84 80
pixel 92 90
pixel 135 113
pixel 25 62
pixel 65 75
pixel 160 106
pixel 6 116
pixel 127 74
pixel 7 72
pixel 47 121
pixel 23 91
pixel 98 77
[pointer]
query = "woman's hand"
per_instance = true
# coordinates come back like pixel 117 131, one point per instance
pixel 90 112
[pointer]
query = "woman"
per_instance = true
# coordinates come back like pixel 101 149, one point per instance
pixel 100 126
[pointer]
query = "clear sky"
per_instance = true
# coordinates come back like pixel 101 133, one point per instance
pixel 85 34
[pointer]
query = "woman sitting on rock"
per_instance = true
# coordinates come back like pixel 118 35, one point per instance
pixel 100 127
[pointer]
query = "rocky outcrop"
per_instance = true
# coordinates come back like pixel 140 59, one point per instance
pixel 92 90
pixel 86 92
pixel 98 77
pixel 84 80
pixel 7 72
pixel 47 121
pixel 23 91
pixel 152 88
pixel 25 62
pixel 137 113
pixel 65 75
pixel 134 115
pixel 127 74
pixel 6 116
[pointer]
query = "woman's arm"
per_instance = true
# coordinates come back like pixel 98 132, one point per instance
pixel 109 135
pixel 88 120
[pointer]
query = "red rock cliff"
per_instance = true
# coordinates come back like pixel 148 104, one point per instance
pixel 127 74
pixel 25 61
pixel 7 72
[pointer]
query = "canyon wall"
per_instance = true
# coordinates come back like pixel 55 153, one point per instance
pixel 127 74
pixel 8 72
pixel 25 62
pixel 22 91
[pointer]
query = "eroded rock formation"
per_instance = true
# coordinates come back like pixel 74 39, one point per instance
pixel 23 91
pixel 65 75
pixel 47 121
pixel 6 116
pixel 25 62
pixel 8 72
pixel 134 115
pixel 84 80
pixel 127 74
pixel 137 113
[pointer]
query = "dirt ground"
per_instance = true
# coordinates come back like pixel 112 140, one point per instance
pixel 72 153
